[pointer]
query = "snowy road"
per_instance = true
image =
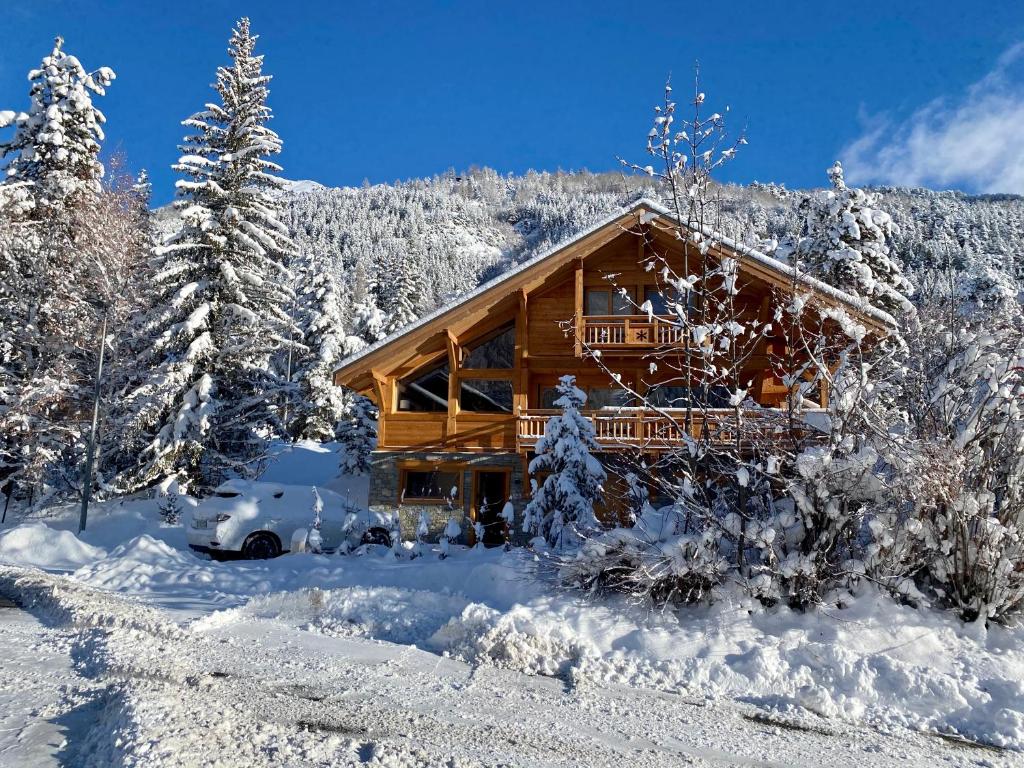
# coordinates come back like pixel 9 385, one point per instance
pixel 128 684
pixel 37 686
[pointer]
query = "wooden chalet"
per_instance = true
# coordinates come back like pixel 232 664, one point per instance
pixel 464 393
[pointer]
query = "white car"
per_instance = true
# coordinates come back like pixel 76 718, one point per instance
pixel 258 520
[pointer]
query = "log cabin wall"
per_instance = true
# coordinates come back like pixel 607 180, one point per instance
pixel 546 347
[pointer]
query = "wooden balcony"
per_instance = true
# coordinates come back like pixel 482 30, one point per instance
pixel 637 428
pixel 629 332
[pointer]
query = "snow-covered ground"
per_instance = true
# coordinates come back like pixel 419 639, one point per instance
pixel 139 652
pixel 39 689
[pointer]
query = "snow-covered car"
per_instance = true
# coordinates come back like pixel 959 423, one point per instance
pixel 259 520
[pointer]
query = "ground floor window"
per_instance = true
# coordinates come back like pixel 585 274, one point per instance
pixel 430 484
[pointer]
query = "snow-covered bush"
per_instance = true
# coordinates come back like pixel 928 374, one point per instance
pixel 562 507
pixel 668 555
pixel 957 523
pixel 397 548
pixel 452 531
pixel 508 516
pixel 315 540
pixel 422 529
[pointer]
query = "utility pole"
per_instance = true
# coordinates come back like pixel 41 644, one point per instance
pixel 90 452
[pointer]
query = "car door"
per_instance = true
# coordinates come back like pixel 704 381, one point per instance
pixel 332 521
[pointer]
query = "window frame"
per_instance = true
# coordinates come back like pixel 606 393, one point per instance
pixel 405 467
pixel 613 293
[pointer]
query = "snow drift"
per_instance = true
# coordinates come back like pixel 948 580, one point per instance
pixel 37 545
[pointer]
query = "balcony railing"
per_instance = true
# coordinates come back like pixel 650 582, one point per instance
pixel 629 332
pixel 627 428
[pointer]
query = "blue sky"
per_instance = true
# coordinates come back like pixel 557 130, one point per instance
pixel 907 92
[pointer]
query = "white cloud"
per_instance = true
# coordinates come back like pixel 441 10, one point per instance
pixel 975 143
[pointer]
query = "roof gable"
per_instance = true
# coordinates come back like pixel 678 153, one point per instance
pixel 643 211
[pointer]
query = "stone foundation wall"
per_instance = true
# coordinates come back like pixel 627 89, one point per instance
pixel 384 490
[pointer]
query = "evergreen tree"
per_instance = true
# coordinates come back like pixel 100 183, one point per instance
pixel 212 399
pixel 562 507
pixel 56 143
pixel 397 289
pixel 320 403
pixel 845 242
pixel 369 325
pixel 51 274
pixel 357 435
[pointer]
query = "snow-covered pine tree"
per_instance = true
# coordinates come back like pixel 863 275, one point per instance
pixel 320 404
pixel 357 434
pixel 562 508
pixel 315 540
pixel 51 285
pixel 369 325
pixel 845 242
pixel 213 398
pixel 398 286
pixel 56 144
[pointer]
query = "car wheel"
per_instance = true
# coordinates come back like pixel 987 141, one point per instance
pixel 261 546
pixel 377 536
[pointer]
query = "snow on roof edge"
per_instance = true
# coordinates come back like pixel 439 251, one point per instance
pixel 645 202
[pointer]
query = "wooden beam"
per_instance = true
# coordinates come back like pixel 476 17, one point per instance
pixel 578 330
pixel 383 406
pixel 453 384
pixel 522 373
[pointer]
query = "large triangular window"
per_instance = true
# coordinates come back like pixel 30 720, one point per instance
pixel 425 390
pixel 496 350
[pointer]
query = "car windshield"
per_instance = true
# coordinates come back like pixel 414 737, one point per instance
pixel 227 494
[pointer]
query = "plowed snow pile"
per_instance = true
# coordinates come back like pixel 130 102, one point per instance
pixel 38 546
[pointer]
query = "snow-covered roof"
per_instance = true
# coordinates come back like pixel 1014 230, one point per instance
pixel 858 304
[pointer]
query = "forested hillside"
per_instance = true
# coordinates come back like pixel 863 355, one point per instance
pixel 457 230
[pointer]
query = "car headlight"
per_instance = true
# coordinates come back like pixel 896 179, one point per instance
pixel 222 518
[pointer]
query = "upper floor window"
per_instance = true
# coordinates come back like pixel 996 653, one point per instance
pixel 495 351
pixel 663 298
pixel 425 390
pixel 609 301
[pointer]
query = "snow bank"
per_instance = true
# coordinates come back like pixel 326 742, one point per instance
pixel 870 661
pixel 37 545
